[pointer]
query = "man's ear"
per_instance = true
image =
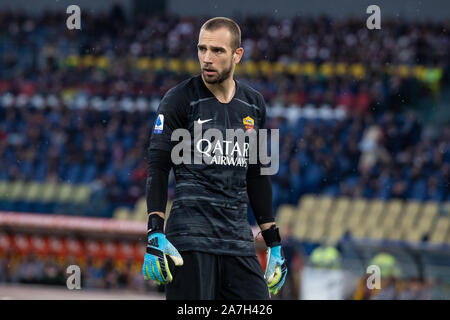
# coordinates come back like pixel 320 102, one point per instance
pixel 238 53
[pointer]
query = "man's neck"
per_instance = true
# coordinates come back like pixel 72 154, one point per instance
pixel 223 91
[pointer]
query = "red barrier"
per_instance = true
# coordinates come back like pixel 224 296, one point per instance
pixel 66 223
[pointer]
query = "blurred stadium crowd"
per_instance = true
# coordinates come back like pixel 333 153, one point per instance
pixel 369 157
pixel 95 273
pixel 88 120
pixel 78 107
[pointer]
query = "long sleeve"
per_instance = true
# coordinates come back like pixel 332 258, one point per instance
pixel 159 165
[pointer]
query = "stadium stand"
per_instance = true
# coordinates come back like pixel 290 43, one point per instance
pixel 355 158
pixel 374 219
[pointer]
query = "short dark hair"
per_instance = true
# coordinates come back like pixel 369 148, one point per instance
pixel 222 22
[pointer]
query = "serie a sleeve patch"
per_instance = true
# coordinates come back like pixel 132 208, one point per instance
pixel 159 125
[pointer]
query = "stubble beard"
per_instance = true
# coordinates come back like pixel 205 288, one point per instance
pixel 220 77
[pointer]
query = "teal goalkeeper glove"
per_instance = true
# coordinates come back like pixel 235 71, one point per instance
pixel 156 266
pixel 276 268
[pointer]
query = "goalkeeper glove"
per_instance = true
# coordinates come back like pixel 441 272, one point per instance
pixel 156 266
pixel 276 268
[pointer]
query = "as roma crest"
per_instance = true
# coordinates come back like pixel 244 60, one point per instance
pixel 249 123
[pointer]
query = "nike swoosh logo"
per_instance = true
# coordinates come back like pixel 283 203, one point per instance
pixel 202 121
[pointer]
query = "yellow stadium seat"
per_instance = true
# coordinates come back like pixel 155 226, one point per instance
pixel 393 211
pixel 309 69
pixel 285 216
pixel 139 215
pixel 411 210
pixel 122 213
pixel 413 235
pixel 278 67
pixel 308 202
pixel 395 205
pixel 174 65
pixel 319 217
pixel 359 205
pixel 325 203
pixel 341 69
pixel 4 189
pixel 300 230
pixel 49 192
pixel 357 70
pixel 352 227
pixel 375 232
pixel 302 222
pixel 359 231
pixel 442 223
pixel 419 72
pixel 88 60
pixel 342 204
pixel 376 206
pixel 140 210
pixel 158 64
pixel 250 68
pixel 440 231
pixel 438 237
pixel 239 70
pixel 393 233
pixel 102 62
pixel 265 67
pixel 316 233
pixel 403 70
pixel 340 211
pixel 425 224
pixel 356 219
pixel 16 190
pixel 294 68
pixel 337 218
pixel 335 232
pixel 33 192
pixel 72 61
pixel 65 193
pixel 375 213
pixel 143 63
pixel 191 66
pixel 427 216
pixel 357 214
pixel 326 69
pixel 374 219
pixel 430 209
pixel 303 215
pixel 81 194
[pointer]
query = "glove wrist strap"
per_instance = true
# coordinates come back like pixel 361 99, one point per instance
pixel 155 224
pixel 272 236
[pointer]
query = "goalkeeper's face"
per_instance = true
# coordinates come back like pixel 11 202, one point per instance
pixel 216 56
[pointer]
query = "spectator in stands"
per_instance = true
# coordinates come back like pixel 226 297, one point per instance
pixel 52 273
pixel 93 274
pixel 30 270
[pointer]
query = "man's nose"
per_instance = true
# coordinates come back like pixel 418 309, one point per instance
pixel 207 58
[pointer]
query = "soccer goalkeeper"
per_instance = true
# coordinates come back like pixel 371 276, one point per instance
pixel 206 250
